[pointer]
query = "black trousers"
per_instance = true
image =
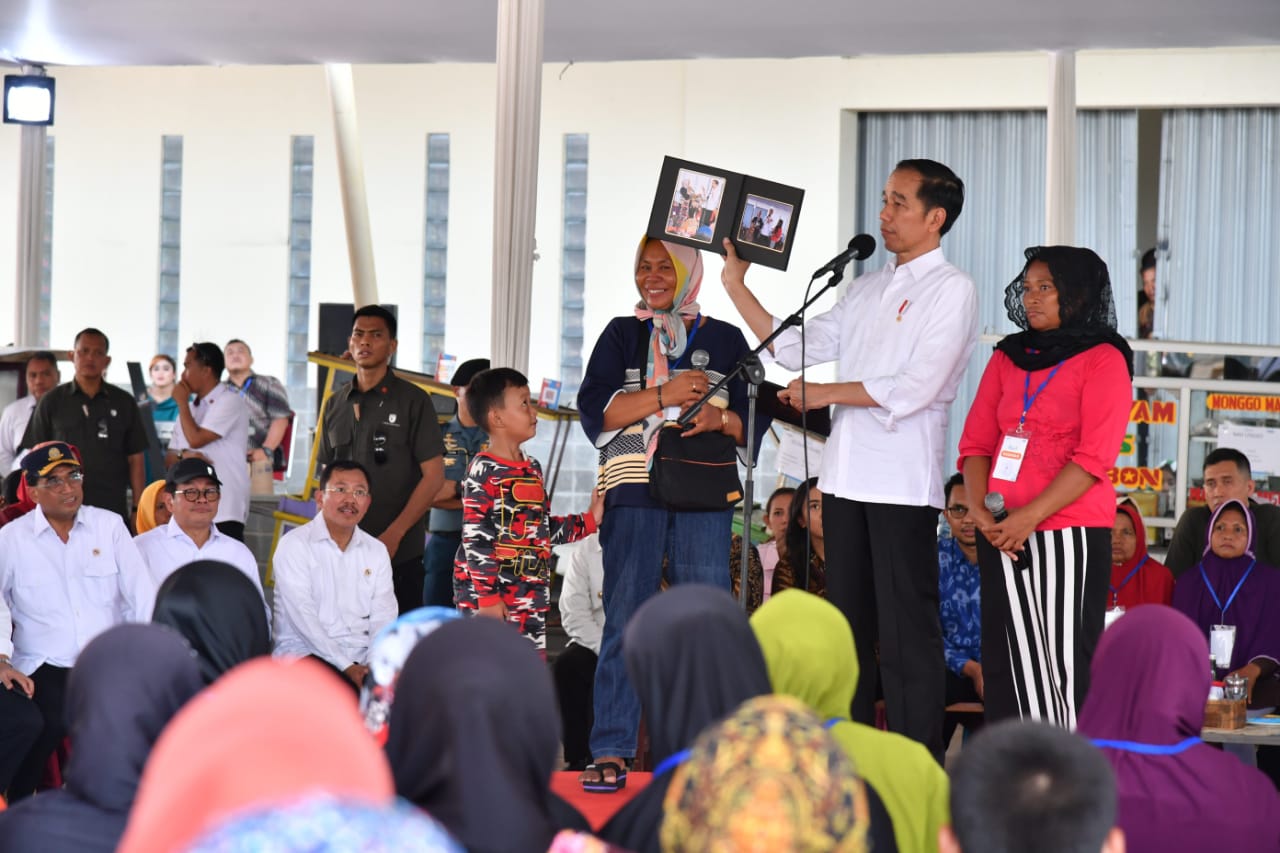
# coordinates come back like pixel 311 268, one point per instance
pixel 960 688
pixel 1041 623
pixel 575 676
pixel 882 572
pixel 407 579
pixel 234 529
pixel 49 699
pixel 20 726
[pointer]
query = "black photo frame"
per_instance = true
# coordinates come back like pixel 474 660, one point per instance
pixel 698 205
pixel 774 209
pixel 694 204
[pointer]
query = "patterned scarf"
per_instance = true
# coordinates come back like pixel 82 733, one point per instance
pixel 669 335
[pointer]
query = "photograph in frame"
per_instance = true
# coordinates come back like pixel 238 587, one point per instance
pixel 694 204
pixel 766 220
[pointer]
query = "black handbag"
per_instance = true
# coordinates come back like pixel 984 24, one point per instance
pixel 695 472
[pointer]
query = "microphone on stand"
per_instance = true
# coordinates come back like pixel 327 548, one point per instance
pixel 859 249
pixel 994 502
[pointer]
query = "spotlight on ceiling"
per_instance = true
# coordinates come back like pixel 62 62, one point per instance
pixel 28 99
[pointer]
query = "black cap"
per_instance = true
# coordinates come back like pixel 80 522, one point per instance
pixel 467 371
pixel 186 470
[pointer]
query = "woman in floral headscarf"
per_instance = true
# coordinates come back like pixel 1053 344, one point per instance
pixel 640 374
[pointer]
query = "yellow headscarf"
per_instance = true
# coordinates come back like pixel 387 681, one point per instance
pixel 669 335
pixel 147 506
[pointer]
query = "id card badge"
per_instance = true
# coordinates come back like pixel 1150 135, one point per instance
pixel 1109 618
pixel 1013 449
pixel 1222 642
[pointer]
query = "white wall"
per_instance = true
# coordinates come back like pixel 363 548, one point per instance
pixel 236 124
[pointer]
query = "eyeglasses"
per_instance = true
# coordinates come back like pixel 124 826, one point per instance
pixel 57 484
pixel 359 494
pixel 380 447
pixel 957 510
pixel 212 494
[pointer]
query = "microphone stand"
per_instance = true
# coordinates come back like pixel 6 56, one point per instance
pixel 752 372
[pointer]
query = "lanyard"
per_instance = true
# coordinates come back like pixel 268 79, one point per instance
pixel 671 762
pixel 1029 399
pixel 831 723
pixel 1115 590
pixel 688 343
pixel 1222 608
pixel 1146 748
pixel 244 389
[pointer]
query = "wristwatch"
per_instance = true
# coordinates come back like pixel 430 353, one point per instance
pixel 270 451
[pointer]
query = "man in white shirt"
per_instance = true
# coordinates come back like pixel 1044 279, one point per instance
pixel 901 337
pixel 582 615
pixel 192 493
pixel 67 572
pixel 215 428
pixel 334 590
pixel 42 375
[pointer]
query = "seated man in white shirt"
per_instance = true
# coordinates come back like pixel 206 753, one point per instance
pixel 334 591
pixel 67 573
pixel 192 492
pixel 582 615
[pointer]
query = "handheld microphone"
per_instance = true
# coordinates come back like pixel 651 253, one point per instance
pixel 859 249
pixel 994 502
pixel 699 358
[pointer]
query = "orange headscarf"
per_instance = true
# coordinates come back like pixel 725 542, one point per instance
pixel 147 507
pixel 267 733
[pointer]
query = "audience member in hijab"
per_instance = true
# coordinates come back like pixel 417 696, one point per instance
pixel 1231 588
pixel 1135 577
pixel 1022 786
pixel 387 655
pixel 1145 710
pixel 220 613
pixel 326 824
pixel 153 512
pixel 767 778
pixel 268 734
pixel 692 658
pixel 474 736
pixel 810 652
pixel 116 709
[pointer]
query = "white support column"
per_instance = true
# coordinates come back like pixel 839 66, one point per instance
pixel 515 192
pixel 31 192
pixel 355 204
pixel 1060 154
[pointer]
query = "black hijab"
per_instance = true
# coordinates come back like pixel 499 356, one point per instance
pixel 693 659
pixel 473 737
pixel 125 687
pixel 1085 308
pixel 220 613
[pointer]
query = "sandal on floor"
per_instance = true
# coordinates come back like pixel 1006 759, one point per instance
pixel 602 786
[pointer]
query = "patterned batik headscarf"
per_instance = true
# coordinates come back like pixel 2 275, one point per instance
pixel 769 777
pixel 669 336
pixel 387 654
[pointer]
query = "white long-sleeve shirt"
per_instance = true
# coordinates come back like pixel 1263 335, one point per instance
pixel 906 333
pixel 168 548
pixel 329 602
pixel 13 423
pixel 582 596
pixel 56 596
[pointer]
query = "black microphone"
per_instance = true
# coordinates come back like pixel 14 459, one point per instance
pixel 994 502
pixel 860 248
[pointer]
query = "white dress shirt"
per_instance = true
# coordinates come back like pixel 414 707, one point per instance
pixel 167 548
pixel 329 602
pixel 223 411
pixel 582 597
pixel 56 596
pixel 13 423
pixel 906 333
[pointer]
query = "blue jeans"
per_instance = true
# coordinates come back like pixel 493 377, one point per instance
pixel 634 541
pixel 437 561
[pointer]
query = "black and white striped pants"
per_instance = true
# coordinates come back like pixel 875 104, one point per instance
pixel 1041 623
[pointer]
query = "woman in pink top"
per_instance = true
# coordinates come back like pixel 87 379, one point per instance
pixel 1044 429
